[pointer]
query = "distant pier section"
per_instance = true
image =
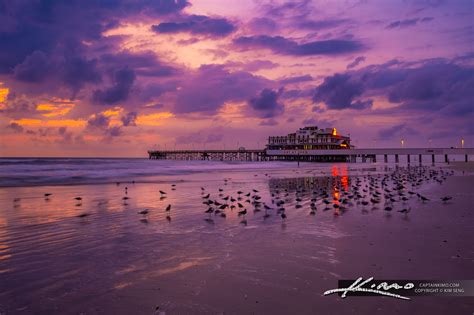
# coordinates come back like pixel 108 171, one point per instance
pixel 216 155
pixel 310 144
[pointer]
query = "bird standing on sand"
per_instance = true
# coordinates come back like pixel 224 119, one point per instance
pixel 168 211
pixel 243 212
pixel 446 199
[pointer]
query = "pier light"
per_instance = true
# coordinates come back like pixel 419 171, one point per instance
pixel 402 142
pixel 462 143
pixel 334 132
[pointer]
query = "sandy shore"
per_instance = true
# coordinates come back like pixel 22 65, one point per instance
pixel 118 261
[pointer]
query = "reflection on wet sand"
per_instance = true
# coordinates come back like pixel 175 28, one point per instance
pixel 150 238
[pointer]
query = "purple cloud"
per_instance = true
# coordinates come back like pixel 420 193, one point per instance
pixel 197 25
pixel 34 68
pixel 129 119
pixel 402 23
pixel 119 91
pixel 284 46
pixel 144 64
pixel 252 66
pixel 339 91
pixel 211 86
pixel 268 122
pixel 356 62
pixel 98 121
pixel 15 127
pixel 59 28
pixel 266 104
pixel 78 71
pixel 297 79
pixel 319 24
pixel 262 25
pixel 436 85
pixel 396 131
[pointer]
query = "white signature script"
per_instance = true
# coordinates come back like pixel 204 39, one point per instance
pixel 357 286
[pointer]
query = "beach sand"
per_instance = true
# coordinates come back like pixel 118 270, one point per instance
pixel 116 261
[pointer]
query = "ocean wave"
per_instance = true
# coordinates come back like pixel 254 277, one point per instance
pixel 15 172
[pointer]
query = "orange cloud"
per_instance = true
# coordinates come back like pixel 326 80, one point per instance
pixel 155 119
pixel 113 112
pixel 56 107
pixel 3 94
pixel 50 123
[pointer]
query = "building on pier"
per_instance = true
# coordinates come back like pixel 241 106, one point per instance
pixel 310 138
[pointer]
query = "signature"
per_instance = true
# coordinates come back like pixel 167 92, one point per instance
pixel 358 286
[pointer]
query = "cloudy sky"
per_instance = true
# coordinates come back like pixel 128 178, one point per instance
pixel 118 77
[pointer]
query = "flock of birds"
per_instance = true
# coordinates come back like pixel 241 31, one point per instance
pixel 390 191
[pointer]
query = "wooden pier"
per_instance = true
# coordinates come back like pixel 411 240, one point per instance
pixel 216 155
pixel 340 155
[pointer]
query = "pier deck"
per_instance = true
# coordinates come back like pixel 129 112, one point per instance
pixel 339 155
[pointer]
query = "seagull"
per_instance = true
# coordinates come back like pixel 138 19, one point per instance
pixel 243 212
pixel 162 192
pixel 446 198
pixel 168 208
pixel 423 198
pixel 405 210
pixel 78 198
pixel 143 212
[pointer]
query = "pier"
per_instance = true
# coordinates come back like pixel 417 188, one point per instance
pixel 411 155
pixel 215 155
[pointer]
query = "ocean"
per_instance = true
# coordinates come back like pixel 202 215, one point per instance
pixel 15 172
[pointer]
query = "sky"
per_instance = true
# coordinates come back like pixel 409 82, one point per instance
pixel 115 78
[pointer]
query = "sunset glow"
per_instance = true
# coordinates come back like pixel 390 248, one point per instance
pixel 377 70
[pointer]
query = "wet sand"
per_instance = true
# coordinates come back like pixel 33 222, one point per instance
pixel 118 261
